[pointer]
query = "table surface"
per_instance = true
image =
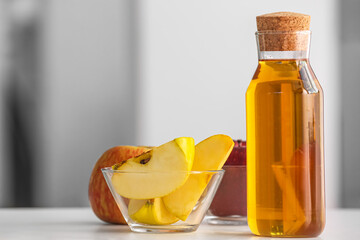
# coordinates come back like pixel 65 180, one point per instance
pixel 81 223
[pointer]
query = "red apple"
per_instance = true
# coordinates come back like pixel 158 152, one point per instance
pixel 101 200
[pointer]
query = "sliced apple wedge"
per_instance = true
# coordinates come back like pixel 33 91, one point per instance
pixel 150 211
pixel 155 173
pixel 210 154
pixel 182 201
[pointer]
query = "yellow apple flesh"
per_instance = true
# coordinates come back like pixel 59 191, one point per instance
pixel 210 154
pixel 150 211
pixel 155 173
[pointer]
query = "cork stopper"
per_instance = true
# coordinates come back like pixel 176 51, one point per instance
pixel 283 21
pixel 280 31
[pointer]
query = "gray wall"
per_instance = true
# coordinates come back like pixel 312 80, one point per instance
pixel 88 92
pixel 4 187
pixel 75 95
pixel 350 87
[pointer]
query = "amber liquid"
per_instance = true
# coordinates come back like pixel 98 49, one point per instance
pixel 284 108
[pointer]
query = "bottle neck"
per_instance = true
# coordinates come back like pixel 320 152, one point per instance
pixel 273 45
pixel 282 55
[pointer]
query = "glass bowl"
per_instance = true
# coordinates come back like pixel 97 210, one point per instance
pixel 162 214
pixel 229 204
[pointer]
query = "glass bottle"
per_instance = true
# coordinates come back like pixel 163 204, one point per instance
pixel 284 118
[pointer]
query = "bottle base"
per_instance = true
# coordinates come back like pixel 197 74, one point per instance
pixel 267 228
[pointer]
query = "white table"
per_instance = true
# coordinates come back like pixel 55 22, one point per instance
pixel 81 223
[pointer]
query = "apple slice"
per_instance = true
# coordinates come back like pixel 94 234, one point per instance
pixel 182 201
pixel 155 173
pixel 210 154
pixel 151 211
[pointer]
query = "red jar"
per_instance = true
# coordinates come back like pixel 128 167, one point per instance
pixel 229 204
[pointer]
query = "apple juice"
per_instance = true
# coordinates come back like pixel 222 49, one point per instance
pixel 284 115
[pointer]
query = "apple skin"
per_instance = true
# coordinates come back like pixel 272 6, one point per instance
pixel 100 197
